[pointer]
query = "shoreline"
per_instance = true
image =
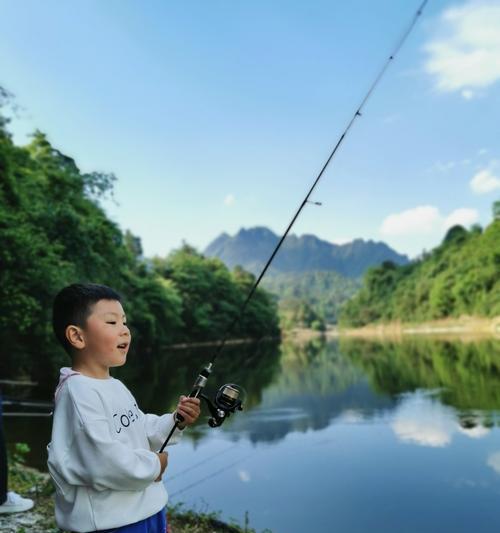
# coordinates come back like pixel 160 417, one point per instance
pixel 468 327
pixel 184 345
pixel 464 326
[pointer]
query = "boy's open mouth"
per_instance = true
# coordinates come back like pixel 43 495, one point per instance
pixel 123 345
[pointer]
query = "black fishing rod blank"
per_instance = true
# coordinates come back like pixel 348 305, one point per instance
pixel 204 374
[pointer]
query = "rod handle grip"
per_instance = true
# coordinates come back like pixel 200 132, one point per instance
pixel 193 394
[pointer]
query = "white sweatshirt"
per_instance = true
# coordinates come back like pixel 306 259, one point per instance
pixel 101 455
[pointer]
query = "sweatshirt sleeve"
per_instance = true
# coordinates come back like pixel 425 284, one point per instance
pixel 158 428
pixel 103 463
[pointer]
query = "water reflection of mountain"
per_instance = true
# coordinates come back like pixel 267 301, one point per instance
pixel 315 384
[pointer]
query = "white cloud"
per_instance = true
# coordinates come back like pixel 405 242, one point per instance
pixel 465 55
pixel 494 461
pixel 443 167
pixel 244 475
pixel 342 240
pixel 464 216
pixel 447 166
pixel 484 182
pixel 467 94
pixel 229 200
pixel 351 416
pixel 390 119
pixel 426 219
pixel 421 219
pixel 423 421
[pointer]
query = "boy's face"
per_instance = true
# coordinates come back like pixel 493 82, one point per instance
pixel 106 334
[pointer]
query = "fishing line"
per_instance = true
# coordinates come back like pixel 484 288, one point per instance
pixel 196 465
pixel 213 474
pixel 223 469
pixel 230 400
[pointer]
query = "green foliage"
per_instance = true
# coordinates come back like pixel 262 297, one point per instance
pixel 212 296
pixel 324 291
pixel 299 313
pixel 461 276
pixel 54 232
pixel 464 375
pixel 496 210
pixel 204 521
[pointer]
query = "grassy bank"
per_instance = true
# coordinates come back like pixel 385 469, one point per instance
pixel 464 326
pixel 31 483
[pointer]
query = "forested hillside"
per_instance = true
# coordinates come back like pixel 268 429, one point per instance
pixel 54 232
pixel 459 277
pixel 310 297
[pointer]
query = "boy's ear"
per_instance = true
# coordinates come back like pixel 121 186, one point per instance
pixel 75 337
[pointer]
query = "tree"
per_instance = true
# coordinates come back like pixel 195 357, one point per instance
pixel 496 210
pixel 54 232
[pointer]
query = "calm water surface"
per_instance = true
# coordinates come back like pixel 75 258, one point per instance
pixel 350 436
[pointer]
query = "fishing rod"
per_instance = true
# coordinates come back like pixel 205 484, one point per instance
pixel 227 399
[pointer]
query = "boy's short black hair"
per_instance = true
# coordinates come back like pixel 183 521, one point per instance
pixel 73 305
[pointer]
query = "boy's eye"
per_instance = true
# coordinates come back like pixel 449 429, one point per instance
pixel 110 322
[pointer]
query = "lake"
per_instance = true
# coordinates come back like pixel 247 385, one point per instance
pixel 350 435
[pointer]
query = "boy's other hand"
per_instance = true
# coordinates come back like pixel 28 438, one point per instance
pixel 163 457
pixel 189 408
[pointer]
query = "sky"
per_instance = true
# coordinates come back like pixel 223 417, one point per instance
pixel 218 115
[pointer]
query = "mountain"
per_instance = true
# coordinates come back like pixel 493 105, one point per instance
pixel 252 247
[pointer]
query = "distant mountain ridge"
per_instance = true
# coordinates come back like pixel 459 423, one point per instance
pixel 252 247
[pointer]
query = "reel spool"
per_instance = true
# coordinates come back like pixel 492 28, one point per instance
pixel 228 399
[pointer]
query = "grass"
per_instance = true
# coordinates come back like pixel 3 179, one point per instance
pixel 31 483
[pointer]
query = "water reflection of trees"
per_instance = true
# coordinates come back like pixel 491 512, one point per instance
pixel 315 384
pixel 290 387
pixel 466 375
pixel 298 387
pixel 158 382
pixel 319 381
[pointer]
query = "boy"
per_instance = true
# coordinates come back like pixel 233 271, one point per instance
pixel 102 456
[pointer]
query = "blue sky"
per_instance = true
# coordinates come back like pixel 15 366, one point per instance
pixel 218 115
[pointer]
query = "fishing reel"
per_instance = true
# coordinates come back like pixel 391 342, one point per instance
pixel 227 400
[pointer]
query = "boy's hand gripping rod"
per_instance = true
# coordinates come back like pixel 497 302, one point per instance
pixel 202 378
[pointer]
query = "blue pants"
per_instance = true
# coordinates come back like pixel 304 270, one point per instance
pixel 154 524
